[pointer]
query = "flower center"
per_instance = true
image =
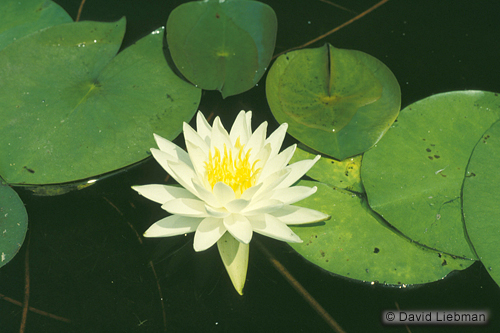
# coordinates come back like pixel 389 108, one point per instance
pixel 234 171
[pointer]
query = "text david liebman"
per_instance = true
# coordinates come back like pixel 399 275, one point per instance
pixel 397 317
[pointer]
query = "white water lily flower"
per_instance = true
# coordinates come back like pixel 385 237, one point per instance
pixel 235 184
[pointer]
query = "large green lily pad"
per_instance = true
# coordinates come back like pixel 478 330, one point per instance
pixel 222 45
pixel 481 200
pixel 21 18
pixel 356 244
pixel 413 177
pixel 71 110
pixel 338 102
pixel 13 223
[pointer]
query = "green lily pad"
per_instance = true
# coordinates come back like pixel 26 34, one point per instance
pixel 339 174
pixel 21 18
pixel 71 110
pixel 413 177
pixel 222 45
pixel 357 244
pixel 13 223
pixel 481 199
pixel 338 102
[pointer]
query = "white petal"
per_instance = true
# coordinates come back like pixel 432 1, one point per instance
pixel 162 193
pixel 234 255
pixel 208 233
pixel 276 139
pixel 198 158
pixel 173 225
pixel 239 226
pixel 261 157
pixel 203 128
pixel 278 162
pixel 299 215
pixel 168 164
pixel 192 136
pixel 261 207
pixel 237 205
pixel 298 169
pixel 270 226
pixel 250 192
pixel 206 195
pixel 290 195
pixel 183 175
pixel 256 141
pixel 216 212
pixel 239 129
pixel 186 207
pixel 270 183
pixel 223 193
pixel 220 137
pixel 175 152
pixel 248 115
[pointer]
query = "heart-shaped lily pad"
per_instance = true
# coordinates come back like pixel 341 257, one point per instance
pixel 338 102
pixel 70 109
pixel 222 45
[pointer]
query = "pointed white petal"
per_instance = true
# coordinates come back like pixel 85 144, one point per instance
pixel 223 193
pixel 186 207
pixel 234 255
pixel 250 192
pixel 299 215
pixel 261 207
pixel 278 162
pixel 270 226
pixel 208 233
pixel 203 128
pixel 173 225
pixel 162 193
pixel 290 195
pixel 298 169
pixel 206 195
pixel 261 157
pixel 169 165
pixel 174 151
pixel 239 226
pixel 216 212
pixel 192 136
pixel 237 205
pixel 198 158
pixel 276 139
pixel 239 129
pixel 256 141
pixel 248 116
pixel 220 137
pixel 183 175
pixel 270 183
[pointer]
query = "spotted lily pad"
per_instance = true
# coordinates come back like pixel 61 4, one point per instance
pixel 413 177
pixel 481 200
pixel 357 244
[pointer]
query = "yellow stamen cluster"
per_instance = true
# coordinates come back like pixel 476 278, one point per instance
pixel 235 172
